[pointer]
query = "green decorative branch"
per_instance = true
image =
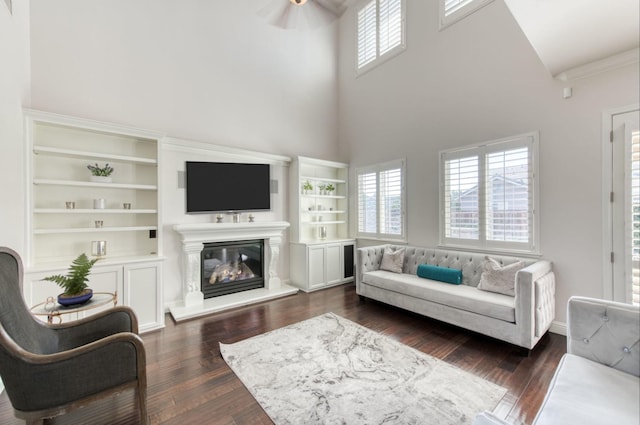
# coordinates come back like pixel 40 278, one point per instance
pixel 75 282
pixel 96 170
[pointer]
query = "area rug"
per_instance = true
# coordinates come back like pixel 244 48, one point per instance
pixel 329 370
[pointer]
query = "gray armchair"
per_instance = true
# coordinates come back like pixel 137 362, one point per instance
pixel 48 370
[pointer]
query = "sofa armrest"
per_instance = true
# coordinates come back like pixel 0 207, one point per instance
pixel 607 332
pixel 535 301
pixel 367 259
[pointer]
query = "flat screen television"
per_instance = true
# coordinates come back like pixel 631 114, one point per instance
pixel 227 186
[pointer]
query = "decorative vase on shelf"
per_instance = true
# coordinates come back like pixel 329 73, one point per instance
pixel 100 174
pixel 68 300
pixel 101 179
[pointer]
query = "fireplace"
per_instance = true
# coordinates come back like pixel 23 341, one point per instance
pixel 195 236
pixel 230 267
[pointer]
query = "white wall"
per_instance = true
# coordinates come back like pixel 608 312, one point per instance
pixel 212 71
pixel 475 81
pixel 14 93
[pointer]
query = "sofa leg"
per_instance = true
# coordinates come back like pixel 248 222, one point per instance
pixel 362 298
pixel 524 352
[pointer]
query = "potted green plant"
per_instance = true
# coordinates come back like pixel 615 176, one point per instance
pixel 74 284
pixel 322 188
pixel 307 187
pixel 330 188
pixel 100 174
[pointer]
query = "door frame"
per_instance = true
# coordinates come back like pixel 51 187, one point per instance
pixel 607 186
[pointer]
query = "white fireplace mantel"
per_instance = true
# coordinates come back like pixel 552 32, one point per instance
pixel 195 235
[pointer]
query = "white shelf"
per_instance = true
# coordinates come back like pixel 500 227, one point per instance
pixel 324 196
pixel 317 212
pixel 94 184
pixel 322 223
pixel 93 230
pixel 69 153
pixel 92 211
pixel 322 179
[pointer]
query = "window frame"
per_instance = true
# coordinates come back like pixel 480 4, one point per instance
pixel 446 20
pixel 389 54
pixel 529 140
pixel 377 169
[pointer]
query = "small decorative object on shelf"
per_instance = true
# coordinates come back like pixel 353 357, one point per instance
pixel 126 206
pixel 99 223
pixel 99 248
pixel 74 283
pixel 70 205
pixel 99 204
pixel 322 188
pixel 219 218
pixel 307 187
pixel 329 188
pixel 252 218
pixel 322 232
pixel 100 174
pixel 236 217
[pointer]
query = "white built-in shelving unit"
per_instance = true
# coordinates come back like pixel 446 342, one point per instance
pixel 321 249
pixel 59 148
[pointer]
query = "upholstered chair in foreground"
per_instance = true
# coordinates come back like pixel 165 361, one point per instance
pixel 48 370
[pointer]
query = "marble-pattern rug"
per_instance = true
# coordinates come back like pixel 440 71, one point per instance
pixel 330 370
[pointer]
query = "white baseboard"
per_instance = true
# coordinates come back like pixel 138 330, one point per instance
pixel 558 328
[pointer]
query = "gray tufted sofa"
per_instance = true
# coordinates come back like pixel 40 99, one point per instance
pixel 597 381
pixel 521 320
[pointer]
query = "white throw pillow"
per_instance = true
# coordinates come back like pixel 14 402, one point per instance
pixel 392 260
pixel 496 278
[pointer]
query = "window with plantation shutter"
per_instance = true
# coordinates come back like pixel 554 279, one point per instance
pixel 381 201
pixel 488 195
pixel 380 31
pixel 453 10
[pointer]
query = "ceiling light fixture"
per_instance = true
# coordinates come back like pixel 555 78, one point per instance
pixel 298 2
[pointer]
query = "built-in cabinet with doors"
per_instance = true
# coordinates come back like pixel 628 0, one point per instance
pixel 321 249
pixel 70 211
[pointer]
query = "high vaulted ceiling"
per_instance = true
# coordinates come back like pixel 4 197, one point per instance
pixel 567 34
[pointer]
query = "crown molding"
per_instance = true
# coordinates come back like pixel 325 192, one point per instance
pixel 610 63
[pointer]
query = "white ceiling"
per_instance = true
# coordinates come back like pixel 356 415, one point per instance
pixel 571 33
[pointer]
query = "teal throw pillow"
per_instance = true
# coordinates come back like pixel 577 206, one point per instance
pixel 442 274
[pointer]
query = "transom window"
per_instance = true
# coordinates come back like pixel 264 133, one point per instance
pixel 380 34
pixel 454 10
pixel 488 195
pixel 381 201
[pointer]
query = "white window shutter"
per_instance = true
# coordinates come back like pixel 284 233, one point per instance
pixel 367 202
pixel 390 25
pixel 461 197
pixel 367 34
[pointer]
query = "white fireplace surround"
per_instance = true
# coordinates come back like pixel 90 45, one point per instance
pixel 195 235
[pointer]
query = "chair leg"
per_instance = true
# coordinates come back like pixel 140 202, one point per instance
pixel 142 403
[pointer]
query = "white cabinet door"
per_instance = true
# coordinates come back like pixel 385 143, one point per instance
pixel 143 293
pixel 333 262
pixel 316 265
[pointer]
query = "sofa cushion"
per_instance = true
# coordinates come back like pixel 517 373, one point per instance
pixel 442 274
pixel 585 392
pixel 499 278
pixel 392 260
pixel 463 297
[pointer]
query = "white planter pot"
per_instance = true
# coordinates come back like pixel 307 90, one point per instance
pixel 101 179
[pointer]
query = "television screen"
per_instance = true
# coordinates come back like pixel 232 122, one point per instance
pixel 227 186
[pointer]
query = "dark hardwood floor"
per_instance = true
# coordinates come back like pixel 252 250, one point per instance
pixel 189 382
